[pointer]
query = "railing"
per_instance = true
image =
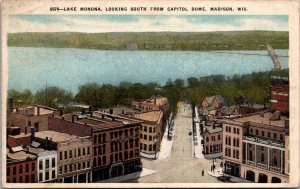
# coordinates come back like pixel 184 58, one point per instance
pixel 262 141
pixel 250 162
pixel 261 165
pixel 276 169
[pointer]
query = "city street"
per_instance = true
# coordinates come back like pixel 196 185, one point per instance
pixel 181 166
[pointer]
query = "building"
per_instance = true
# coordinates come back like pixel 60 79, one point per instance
pixel 151 132
pixel 115 148
pixel 30 116
pixel 280 94
pixel 248 108
pixel 213 138
pixel 118 110
pixel 255 147
pixel 153 103
pixel 21 166
pixel 216 101
pixel 74 157
pixel 47 163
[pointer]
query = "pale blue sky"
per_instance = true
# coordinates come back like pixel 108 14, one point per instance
pixel 139 23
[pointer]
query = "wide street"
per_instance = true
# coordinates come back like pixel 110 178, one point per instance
pixel 181 166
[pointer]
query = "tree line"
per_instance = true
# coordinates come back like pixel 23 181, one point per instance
pixel 254 87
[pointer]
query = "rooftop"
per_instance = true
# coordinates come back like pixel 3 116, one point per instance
pixel 211 129
pixel 54 135
pixel 152 116
pixel 21 155
pixel 21 135
pixel 265 119
pixel 41 151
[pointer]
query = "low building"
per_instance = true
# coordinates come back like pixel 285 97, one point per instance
pixel 21 166
pixel 118 110
pixel 216 101
pixel 255 148
pixel 74 156
pixel 30 116
pixel 153 103
pixel 213 138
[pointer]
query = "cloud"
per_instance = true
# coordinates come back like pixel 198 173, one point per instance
pixel 143 24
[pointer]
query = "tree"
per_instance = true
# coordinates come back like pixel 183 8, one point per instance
pixel 21 98
pixel 53 97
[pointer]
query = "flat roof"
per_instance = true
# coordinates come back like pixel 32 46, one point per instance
pixel 265 119
pixel 152 116
pixel 54 135
pixel 22 155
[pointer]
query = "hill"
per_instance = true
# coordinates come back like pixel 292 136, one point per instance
pixel 184 41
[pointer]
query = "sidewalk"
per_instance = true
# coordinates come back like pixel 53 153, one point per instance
pixel 149 156
pixel 166 145
pixel 198 148
pixel 217 173
pixel 143 173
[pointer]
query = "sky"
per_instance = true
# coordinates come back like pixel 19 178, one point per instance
pixel 145 23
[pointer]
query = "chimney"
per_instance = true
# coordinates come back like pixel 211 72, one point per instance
pixel 61 112
pixel 73 118
pixel 32 133
pixel 38 110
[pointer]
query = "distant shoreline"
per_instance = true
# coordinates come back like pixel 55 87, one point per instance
pixel 154 41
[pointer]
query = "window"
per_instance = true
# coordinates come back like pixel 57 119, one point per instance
pixel 136 142
pixel 251 131
pixel 104 160
pixel 79 166
pixel 275 135
pixel 234 130
pixel 99 138
pixel 153 129
pixel 229 129
pixel 116 157
pixel 238 131
pixel 145 137
pixel 60 156
pixel 269 134
pixel 256 131
pixel 83 165
pixel 141 135
pixel 53 174
pixel 29 123
pixel 20 169
pixel 131 132
pixel 145 128
pixel 233 153
pixel 47 163
pixel 70 154
pixel 8 171
pixel 20 179
pixel 262 158
pixel 41 164
pixel 219 137
pixel 88 164
pixel 53 162
pixel 237 154
pixel 32 178
pixel 136 153
pixel 88 150
pixel 207 139
pixel 70 168
pixel 111 158
pixel 79 152
pixel 131 154
pixel 126 133
pixel 83 153
pixel 145 147
pixel 47 175
pixel 40 177
pixel 32 167
pixel 281 136
pixel 95 139
pixel 150 138
pixel 150 130
pixel 60 169
pixel 262 133
pixel 237 142
pixel 27 167
pixel 65 169
pixel 66 155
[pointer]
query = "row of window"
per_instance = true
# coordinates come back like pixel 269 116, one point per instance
pixel 74 153
pixel 150 129
pixel 117 134
pixel 262 133
pixel 47 176
pixel 149 147
pixel 213 138
pixel 236 141
pixel 236 153
pixel 21 179
pixel 119 156
pixel 213 148
pixel 21 170
pixel 74 167
pixel 47 163
pixel 235 130
pixel 146 137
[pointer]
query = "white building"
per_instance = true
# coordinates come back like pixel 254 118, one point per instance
pixel 47 166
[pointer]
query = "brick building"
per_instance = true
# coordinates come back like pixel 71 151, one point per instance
pixel 255 147
pixel 30 116
pixel 280 94
pixel 21 166
pixel 115 148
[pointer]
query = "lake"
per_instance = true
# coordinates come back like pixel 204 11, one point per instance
pixel 69 68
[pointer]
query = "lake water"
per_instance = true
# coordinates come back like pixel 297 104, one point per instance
pixel 69 68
